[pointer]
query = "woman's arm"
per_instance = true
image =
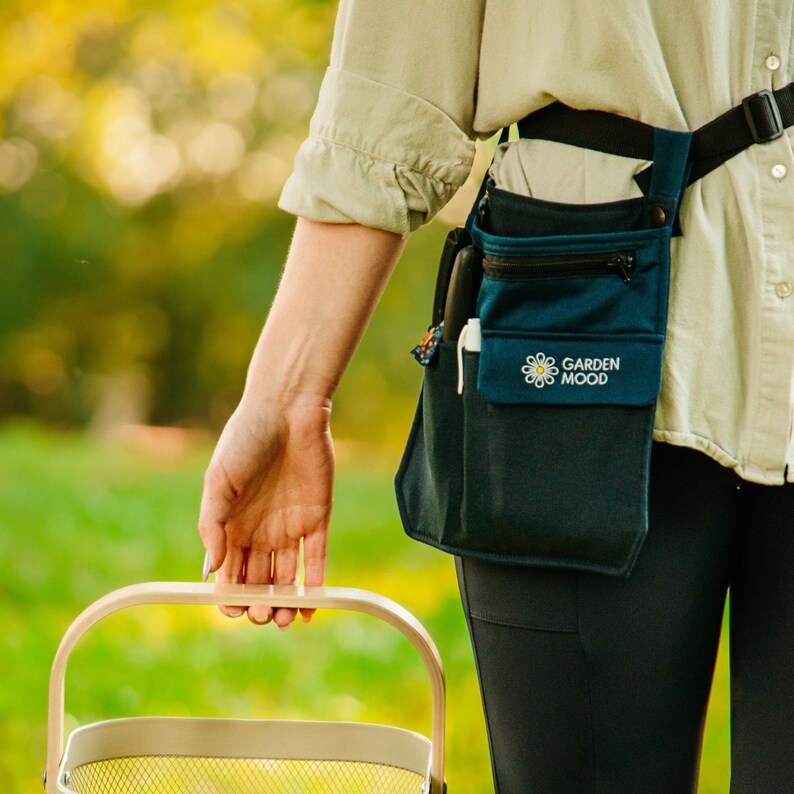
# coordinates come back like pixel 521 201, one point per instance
pixel 269 482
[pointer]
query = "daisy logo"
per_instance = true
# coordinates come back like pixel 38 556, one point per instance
pixel 540 370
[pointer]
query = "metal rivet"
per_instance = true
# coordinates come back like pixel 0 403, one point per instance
pixel 779 171
pixel 657 216
pixel 784 289
pixel 772 63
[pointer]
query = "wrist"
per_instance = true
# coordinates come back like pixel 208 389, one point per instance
pixel 285 396
pixel 291 377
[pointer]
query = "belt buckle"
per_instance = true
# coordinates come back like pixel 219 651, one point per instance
pixel 763 116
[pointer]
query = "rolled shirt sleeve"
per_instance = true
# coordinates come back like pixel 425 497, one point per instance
pixel 391 137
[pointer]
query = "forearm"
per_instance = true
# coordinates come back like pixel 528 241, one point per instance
pixel 333 279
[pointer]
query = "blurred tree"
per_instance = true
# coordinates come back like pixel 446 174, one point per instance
pixel 143 146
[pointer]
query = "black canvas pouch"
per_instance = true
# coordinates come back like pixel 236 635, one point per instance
pixel 544 457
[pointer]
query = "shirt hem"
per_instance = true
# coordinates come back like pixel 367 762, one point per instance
pixel 746 472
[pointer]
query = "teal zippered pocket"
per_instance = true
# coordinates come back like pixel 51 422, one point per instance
pixel 573 327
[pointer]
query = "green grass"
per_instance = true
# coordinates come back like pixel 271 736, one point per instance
pixel 80 517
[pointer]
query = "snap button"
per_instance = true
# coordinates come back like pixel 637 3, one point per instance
pixel 772 63
pixel 657 216
pixel 779 170
pixel 784 289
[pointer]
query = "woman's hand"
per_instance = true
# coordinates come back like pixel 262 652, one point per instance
pixel 270 479
pixel 268 486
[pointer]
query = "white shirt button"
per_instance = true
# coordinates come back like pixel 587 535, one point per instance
pixel 779 171
pixel 784 289
pixel 772 63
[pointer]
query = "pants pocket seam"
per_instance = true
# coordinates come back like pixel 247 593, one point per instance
pixel 500 621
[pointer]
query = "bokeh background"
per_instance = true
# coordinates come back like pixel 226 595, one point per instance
pixel 143 146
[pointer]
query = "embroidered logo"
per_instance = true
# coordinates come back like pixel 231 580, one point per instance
pixel 540 370
pixel 588 371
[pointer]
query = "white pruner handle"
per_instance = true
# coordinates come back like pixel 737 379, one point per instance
pixel 470 339
pixel 248 595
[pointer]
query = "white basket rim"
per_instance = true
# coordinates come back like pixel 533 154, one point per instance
pixel 201 737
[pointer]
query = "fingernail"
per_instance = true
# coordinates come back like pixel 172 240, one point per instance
pixel 236 613
pixel 283 628
pixel 207 563
pixel 306 618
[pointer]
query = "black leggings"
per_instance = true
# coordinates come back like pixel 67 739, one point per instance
pixel 597 684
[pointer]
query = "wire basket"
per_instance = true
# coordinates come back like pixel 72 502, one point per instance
pixel 169 755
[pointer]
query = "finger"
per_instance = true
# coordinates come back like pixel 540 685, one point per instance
pixel 285 571
pixel 213 514
pixel 315 554
pixel 231 572
pixel 257 571
pixel 213 536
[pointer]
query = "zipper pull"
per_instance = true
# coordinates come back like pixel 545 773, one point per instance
pixel 624 263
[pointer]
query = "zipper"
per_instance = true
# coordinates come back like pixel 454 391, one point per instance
pixel 621 263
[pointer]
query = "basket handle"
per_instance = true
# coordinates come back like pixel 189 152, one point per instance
pixel 346 598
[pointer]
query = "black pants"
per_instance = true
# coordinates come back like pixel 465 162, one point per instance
pixel 597 684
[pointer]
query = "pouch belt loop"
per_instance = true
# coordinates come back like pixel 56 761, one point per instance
pixel 671 165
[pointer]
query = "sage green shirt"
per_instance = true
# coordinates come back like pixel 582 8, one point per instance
pixel 413 83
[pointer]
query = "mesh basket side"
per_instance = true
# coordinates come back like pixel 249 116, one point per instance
pixel 194 775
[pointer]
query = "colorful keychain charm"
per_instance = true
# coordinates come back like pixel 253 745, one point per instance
pixel 426 349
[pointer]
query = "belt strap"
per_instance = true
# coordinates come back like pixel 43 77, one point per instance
pixel 761 117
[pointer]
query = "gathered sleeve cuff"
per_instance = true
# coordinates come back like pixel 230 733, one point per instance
pixel 376 155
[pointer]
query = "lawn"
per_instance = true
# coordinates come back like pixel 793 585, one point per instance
pixel 81 516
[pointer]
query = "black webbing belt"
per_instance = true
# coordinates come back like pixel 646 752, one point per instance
pixel 760 118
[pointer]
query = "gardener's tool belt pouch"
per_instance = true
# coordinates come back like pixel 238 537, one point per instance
pixel 543 458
